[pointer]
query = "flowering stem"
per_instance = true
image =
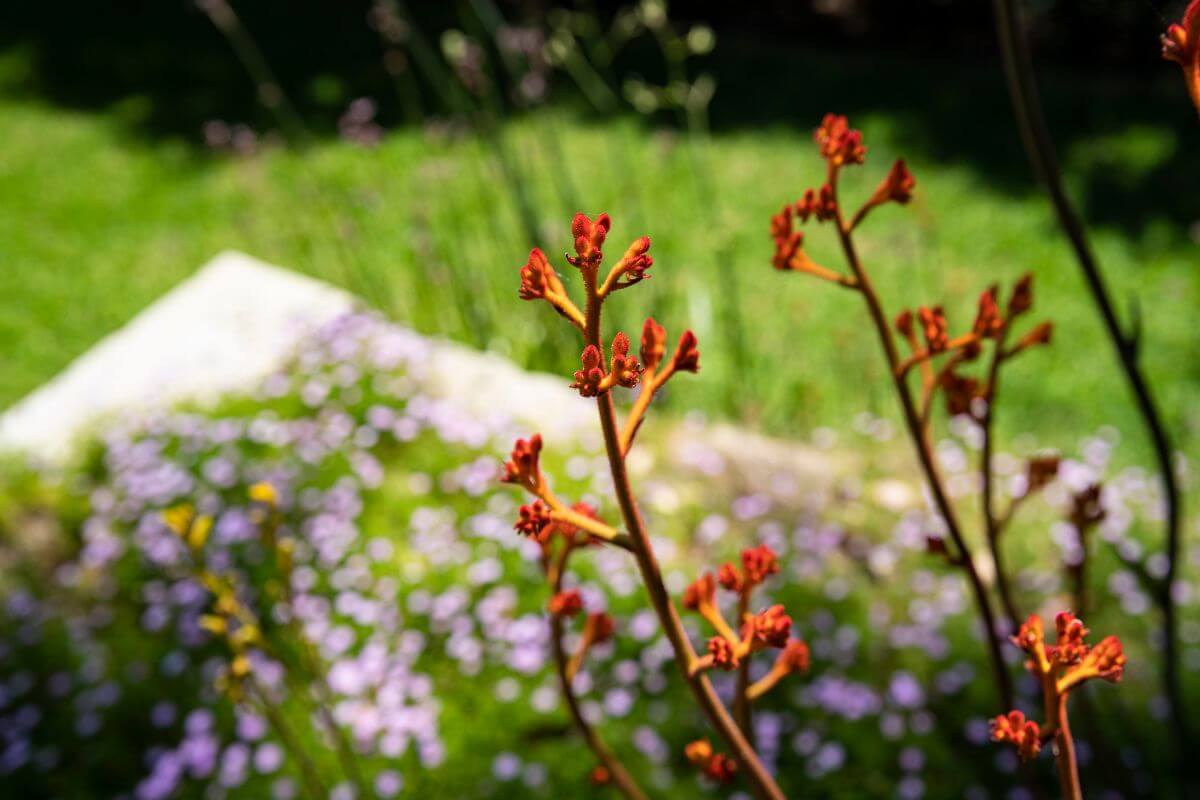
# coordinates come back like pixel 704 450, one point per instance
pixel 920 439
pixel 1039 148
pixel 616 770
pixel 990 519
pixel 761 782
pixel 741 703
pixel 1055 703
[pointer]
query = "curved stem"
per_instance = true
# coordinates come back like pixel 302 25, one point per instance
pixel 1039 147
pixel 761 782
pixel 1064 753
pixel 616 770
pixel 924 448
pixel 990 519
pixel 742 711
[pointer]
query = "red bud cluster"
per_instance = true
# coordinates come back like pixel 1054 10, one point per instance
pixel 589 239
pixel 1024 734
pixel 716 766
pixel 1181 44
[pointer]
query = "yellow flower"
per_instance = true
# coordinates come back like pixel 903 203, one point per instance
pixel 264 493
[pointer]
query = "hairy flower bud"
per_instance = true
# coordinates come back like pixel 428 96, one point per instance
pixel 896 187
pixel 533 519
pixel 687 354
pixel 759 563
pixel 838 143
pixel 589 239
pixel 589 380
pixel 722 652
pixel 522 466
pixel 700 592
pixel 654 343
pixel 933 325
pixel 1024 734
pixel 729 577
pixel 566 603
pixel 771 627
pixel 1021 299
pixel 537 276
pixel 988 322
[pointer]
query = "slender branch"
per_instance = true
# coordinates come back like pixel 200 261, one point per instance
pixel 742 711
pixel 924 448
pixel 616 770
pixel 1064 752
pixel 761 782
pixel 1039 147
pixel 314 786
pixel 987 469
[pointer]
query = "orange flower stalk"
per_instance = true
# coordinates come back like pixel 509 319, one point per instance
pixel 599 379
pixel 1181 44
pixel 1061 668
pixel 935 353
pixel 770 628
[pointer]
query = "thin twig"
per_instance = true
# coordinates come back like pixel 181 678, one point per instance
pixel 1039 147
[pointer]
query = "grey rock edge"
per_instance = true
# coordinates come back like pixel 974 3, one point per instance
pixel 238 319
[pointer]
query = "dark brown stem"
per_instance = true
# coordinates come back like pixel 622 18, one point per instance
pixel 924 448
pixel 616 770
pixel 761 783
pixel 986 468
pixel 742 710
pixel 1039 147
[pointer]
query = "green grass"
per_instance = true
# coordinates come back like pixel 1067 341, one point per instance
pixel 100 221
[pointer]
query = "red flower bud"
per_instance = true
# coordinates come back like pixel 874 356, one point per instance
pixel 1022 296
pixel 722 653
pixel 598 628
pixel 933 324
pixel 654 343
pixel 1042 334
pixel 838 143
pixel 1070 648
pixel 904 323
pixel 566 603
pixel 636 261
pixel 759 563
pixel 1014 728
pixel 795 656
pixel 536 276
pixel 896 187
pixel 1040 471
pixel 687 355
pixel 771 627
pixel 522 466
pixel 533 519
pixel 589 380
pixel 988 322
pixel 1181 44
pixel 700 592
pixel 729 577
pixel 625 369
pixel 961 392
pixel 600 776
pixel 589 239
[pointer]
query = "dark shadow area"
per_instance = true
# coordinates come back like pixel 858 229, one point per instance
pixel 932 66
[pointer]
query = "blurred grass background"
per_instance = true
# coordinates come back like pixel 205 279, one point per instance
pixel 106 211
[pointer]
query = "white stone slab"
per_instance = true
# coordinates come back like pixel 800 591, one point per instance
pixel 225 328
pixel 238 320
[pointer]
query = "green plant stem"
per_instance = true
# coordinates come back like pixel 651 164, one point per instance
pixel 313 785
pixel 1039 147
pixel 761 783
